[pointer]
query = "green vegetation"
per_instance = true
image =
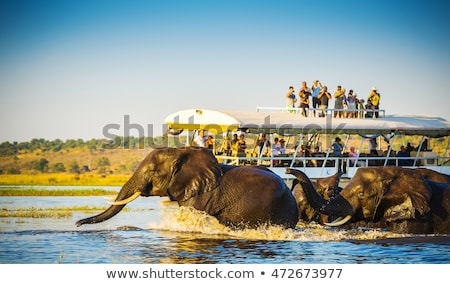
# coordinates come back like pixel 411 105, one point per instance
pixel 97 157
pixel 54 212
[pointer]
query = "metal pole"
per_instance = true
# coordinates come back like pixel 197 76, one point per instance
pixel 389 150
pixel 418 150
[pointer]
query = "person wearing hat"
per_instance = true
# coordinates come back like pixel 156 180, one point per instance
pixel 374 98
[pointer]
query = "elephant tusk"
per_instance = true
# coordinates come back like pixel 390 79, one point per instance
pixel 125 201
pixel 109 198
pixel 339 221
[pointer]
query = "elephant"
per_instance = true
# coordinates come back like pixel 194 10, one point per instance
pixel 238 196
pixel 327 187
pixel 401 199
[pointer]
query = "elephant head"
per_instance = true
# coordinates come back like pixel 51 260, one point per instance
pixel 376 193
pixel 327 188
pixel 177 173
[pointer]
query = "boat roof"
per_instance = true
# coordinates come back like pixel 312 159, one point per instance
pixel 285 123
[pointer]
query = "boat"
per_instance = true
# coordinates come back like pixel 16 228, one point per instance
pixel 386 131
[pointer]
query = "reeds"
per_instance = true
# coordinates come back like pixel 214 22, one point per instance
pixel 55 212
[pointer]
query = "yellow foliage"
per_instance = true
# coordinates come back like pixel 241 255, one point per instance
pixel 64 179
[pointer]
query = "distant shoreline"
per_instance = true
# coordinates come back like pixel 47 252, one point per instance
pixel 63 179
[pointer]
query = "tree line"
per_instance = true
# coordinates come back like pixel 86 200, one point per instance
pixel 14 148
pixel 38 155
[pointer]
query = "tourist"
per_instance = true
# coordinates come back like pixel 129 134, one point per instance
pixel 290 100
pixel 226 146
pixel 241 146
pixel 263 144
pixel 353 157
pixel 276 147
pixel 361 108
pixel 317 154
pixel 351 104
pixel 209 143
pixel 304 95
pixel 374 98
pixel 200 140
pixel 402 154
pixel 339 98
pixel 324 97
pixel 337 148
pixel 315 90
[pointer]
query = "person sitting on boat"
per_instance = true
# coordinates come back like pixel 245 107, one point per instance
pixel 282 147
pixel 263 143
pixel 200 140
pixel 409 148
pixel 234 145
pixel 317 154
pixel 241 146
pixel 402 154
pixel 276 147
pixel 209 143
pixel 353 155
pixel 226 146
pixel 337 148
pixel 324 98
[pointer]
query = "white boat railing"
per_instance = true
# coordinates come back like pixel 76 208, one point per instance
pixel 358 113
pixel 316 167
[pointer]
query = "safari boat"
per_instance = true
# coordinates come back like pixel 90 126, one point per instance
pixel 375 140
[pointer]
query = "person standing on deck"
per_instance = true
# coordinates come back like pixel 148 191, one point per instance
pixel 304 95
pixel 316 87
pixel 324 97
pixel 339 97
pixel 374 98
pixel 291 100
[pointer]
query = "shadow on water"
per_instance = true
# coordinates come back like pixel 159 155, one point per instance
pixel 157 231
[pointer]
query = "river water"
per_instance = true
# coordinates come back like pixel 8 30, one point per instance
pixel 155 230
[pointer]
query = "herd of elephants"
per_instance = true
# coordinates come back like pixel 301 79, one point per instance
pixel 399 199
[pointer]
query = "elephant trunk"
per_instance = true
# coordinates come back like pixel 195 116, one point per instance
pixel 125 195
pixel 105 215
pixel 314 198
pixel 335 207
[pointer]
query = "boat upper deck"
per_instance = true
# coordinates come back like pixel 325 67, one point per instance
pixel 279 122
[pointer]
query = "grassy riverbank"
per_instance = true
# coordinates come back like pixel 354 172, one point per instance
pixel 64 179
pixel 55 192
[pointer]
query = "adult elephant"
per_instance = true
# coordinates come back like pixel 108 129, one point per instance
pixel 404 200
pixel 237 196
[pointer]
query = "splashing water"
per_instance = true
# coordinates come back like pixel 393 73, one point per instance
pixel 189 220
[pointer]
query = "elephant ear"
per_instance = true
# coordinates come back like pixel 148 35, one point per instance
pixel 195 171
pixel 409 190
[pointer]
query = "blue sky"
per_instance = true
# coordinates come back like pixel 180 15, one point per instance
pixel 69 68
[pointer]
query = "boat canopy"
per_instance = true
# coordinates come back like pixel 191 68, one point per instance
pixel 285 123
